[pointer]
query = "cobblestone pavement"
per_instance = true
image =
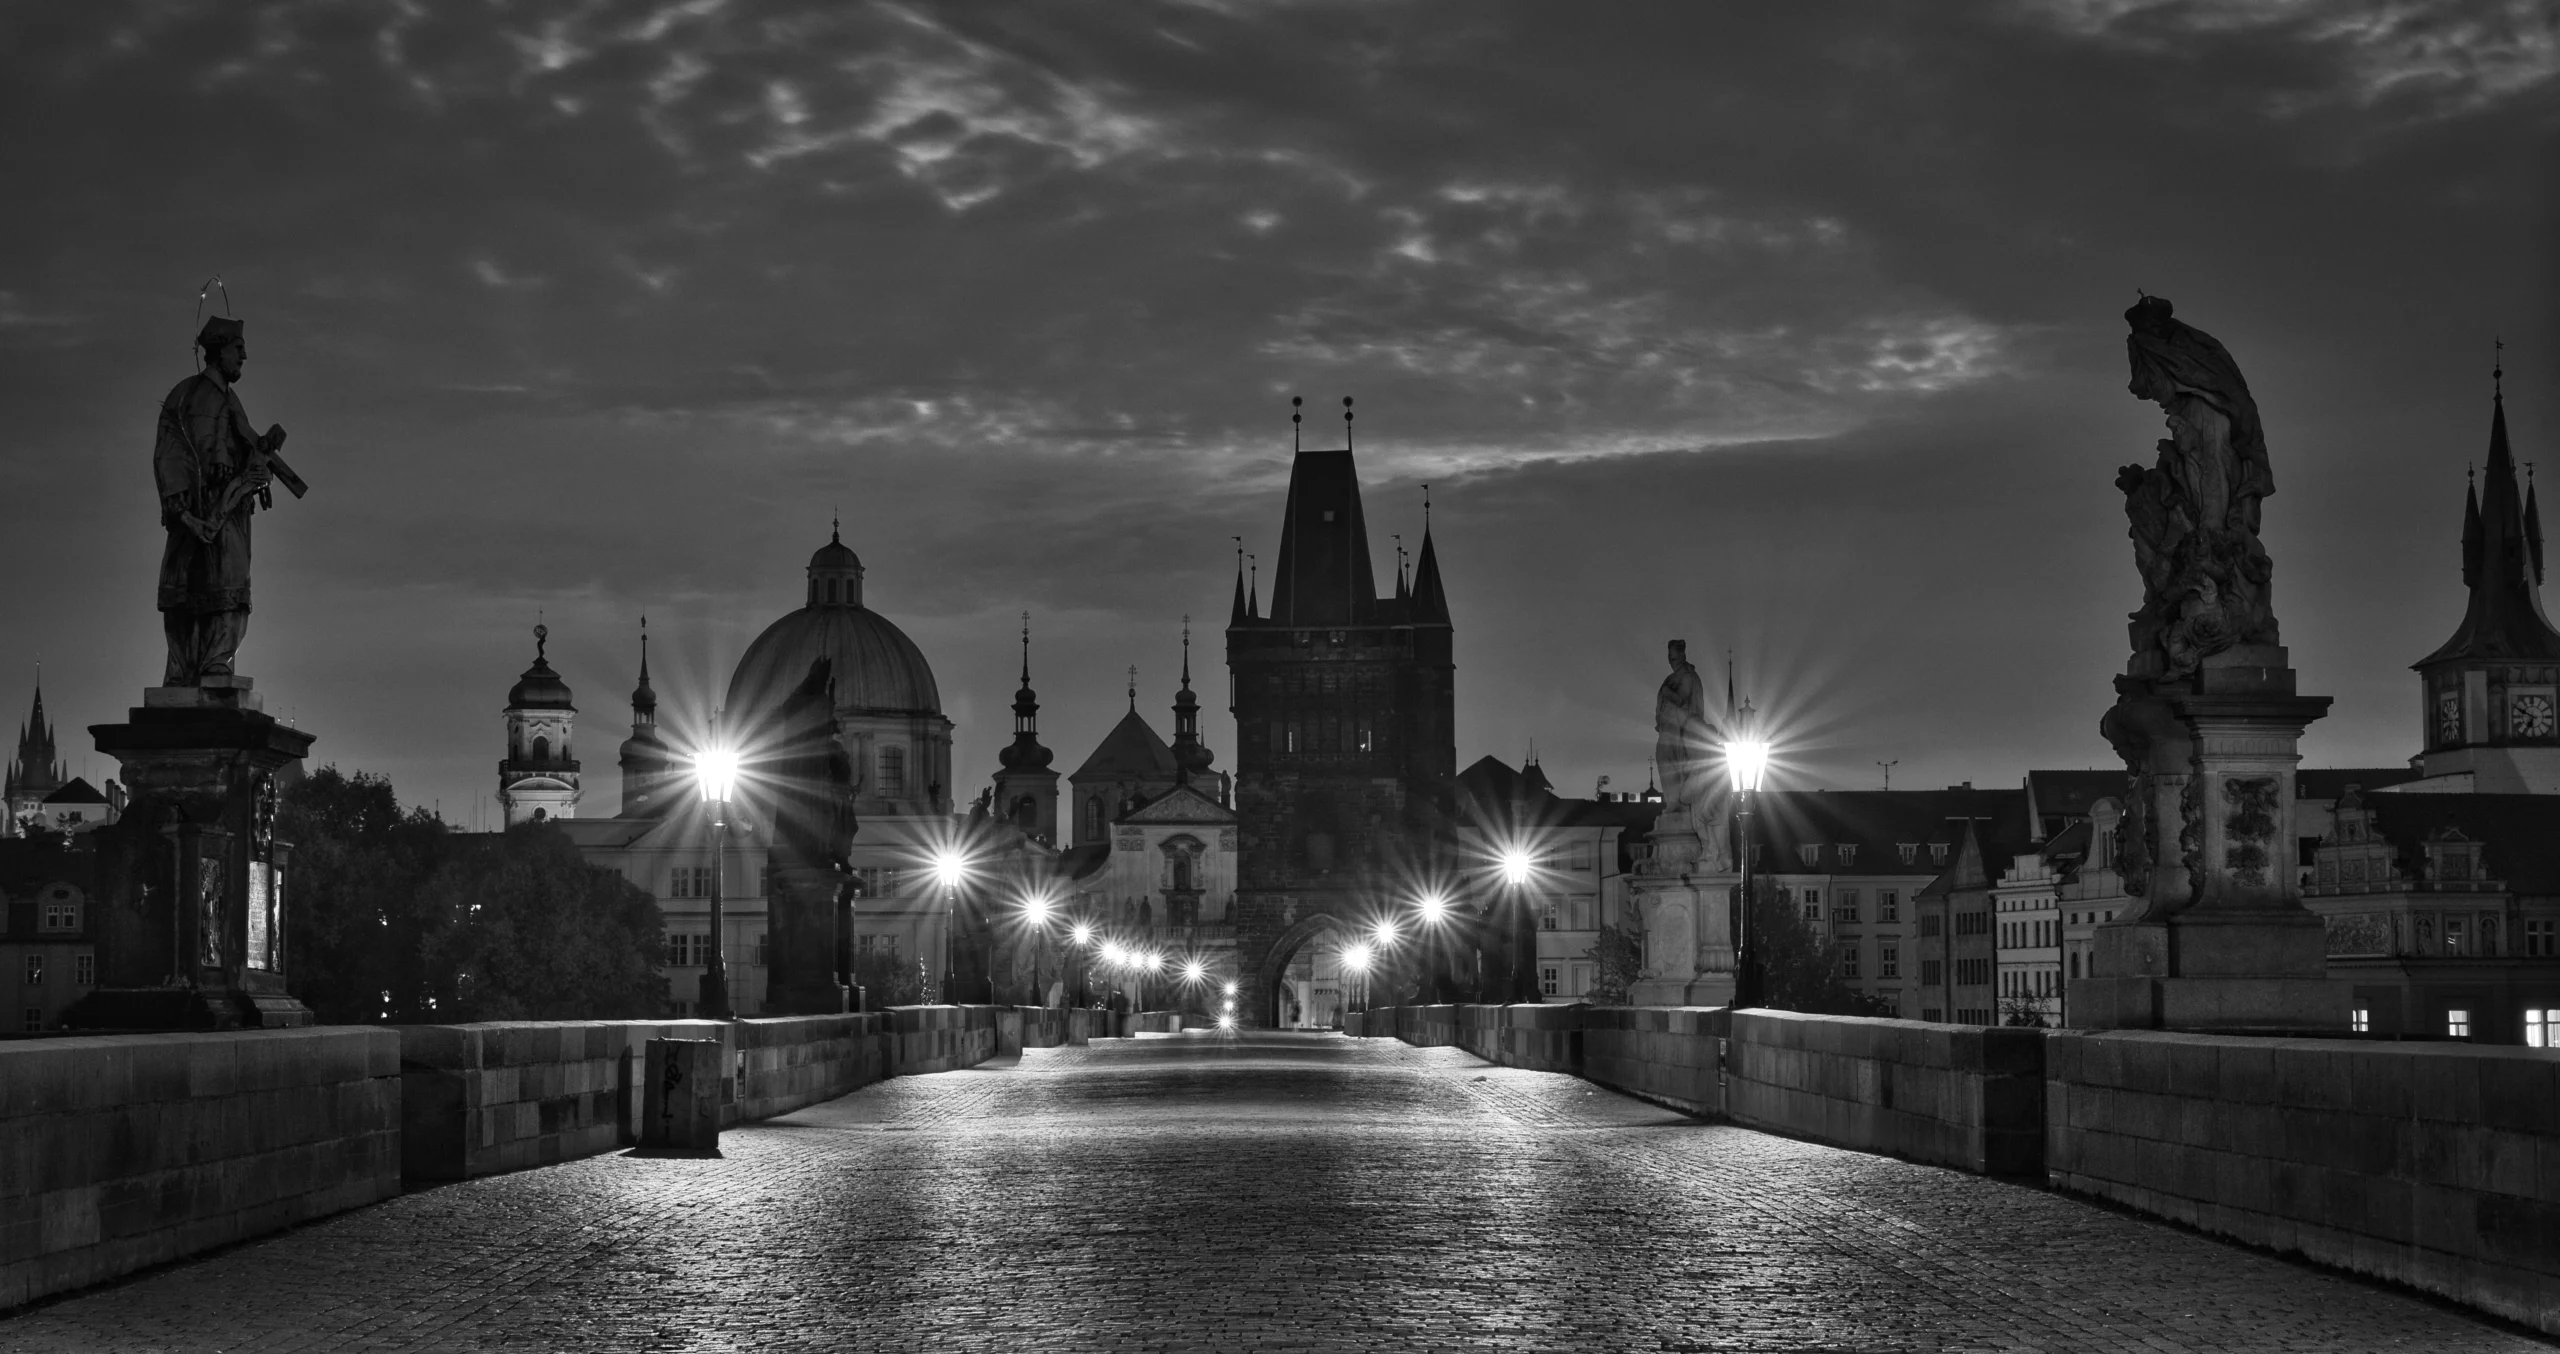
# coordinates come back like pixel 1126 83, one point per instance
pixel 1270 1192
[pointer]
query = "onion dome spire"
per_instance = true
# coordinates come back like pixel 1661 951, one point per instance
pixel 1025 752
pixel 1190 757
pixel 644 698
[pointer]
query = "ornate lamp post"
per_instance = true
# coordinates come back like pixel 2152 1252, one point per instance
pixel 1746 760
pixel 1355 961
pixel 716 769
pixel 1520 933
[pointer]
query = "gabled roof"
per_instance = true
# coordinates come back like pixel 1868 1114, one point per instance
pixel 79 791
pixel 1877 821
pixel 2329 782
pixel 1183 805
pixel 2522 833
pixel 2069 794
pixel 1131 751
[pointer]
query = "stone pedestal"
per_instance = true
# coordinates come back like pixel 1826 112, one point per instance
pixel 680 1095
pixel 1687 913
pixel 190 911
pixel 2220 941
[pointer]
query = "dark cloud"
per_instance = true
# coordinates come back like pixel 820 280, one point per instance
pixel 1791 328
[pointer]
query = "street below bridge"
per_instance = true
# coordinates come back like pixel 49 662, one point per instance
pixel 1243 1191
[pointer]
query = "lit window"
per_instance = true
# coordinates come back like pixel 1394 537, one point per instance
pixel 2457 1023
pixel 2541 1027
pixel 2453 935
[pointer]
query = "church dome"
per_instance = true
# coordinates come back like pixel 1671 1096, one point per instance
pixel 539 688
pixel 876 667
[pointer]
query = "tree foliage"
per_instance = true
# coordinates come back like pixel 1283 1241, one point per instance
pixel 1800 971
pixel 887 980
pixel 397 918
pixel 1618 956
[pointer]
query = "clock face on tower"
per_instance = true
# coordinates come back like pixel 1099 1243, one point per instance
pixel 2448 716
pixel 2530 716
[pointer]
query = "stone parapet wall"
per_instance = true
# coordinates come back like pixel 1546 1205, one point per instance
pixel 940 1038
pixel 1135 1023
pixel 496 1096
pixel 1665 1054
pixel 2434 1165
pixel 1967 1096
pixel 118 1152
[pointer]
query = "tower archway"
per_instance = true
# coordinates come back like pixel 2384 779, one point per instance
pixel 1274 988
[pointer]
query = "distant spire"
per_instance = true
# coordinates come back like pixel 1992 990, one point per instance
pixel 644 698
pixel 1240 612
pixel 1402 591
pixel 1026 648
pixel 1253 587
pixel 1186 651
pixel 1133 688
pixel 1346 423
pixel 541 640
pixel 1295 419
pixel 1533 754
pixel 835 527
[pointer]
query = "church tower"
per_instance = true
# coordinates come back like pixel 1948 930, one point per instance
pixel 2491 723
pixel 650 770
pixel 1346 749
pixel 35 773
pixel 1191 757
pixel 539 778
pixel 1026 789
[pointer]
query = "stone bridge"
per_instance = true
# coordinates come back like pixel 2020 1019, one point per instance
pixel 1199 1190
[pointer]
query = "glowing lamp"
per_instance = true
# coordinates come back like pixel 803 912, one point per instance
pixel 1516 866
pixel 948 869
pixel 1084 934
pixel 1356 958
pixel 1386 933
pixel 1036 909
pixel 1195 971
pixel 1434 907
pixel 1745 760
pixel 1114 955
pixel 1231 989
pixel 716 770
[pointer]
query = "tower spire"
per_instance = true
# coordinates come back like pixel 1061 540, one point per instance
pixel 1133 688
pixel 1239 613
pixel 1026 648
pixel 1295 420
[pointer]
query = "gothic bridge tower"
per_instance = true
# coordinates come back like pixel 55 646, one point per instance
pixel 1346 752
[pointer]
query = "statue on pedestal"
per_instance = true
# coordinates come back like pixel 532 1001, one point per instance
pixel 1686 746
pixel 211 472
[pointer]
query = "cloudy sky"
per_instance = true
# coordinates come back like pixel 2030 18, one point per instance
pixel 1789 329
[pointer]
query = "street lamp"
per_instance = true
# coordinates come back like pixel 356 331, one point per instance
pixel 948 870
pixel 1746 760
pixel 1355 957
pixel 716 769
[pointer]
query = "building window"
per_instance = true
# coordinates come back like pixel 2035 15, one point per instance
pixel 1888 905
pixel 1846 909
pixel 762 951
pixel 33 1019
pixel 2540 938
pixel 1929 924
pixel 1888 961
pixel 1548 980
pixel 1910 852
pixel 1931 1014
pixel 687 950
pixel 2541 1027
pixel 1848 855
pixel 1547 916
pixel 61 916
pixel 893 771
pixel 1811 854
pixel 689 881
pixel 35 970
pixel 2453 935
pixel 1931 971
pixel 1849 961
pixel 1937 853
pixel 1578 856
pixel 1813 904
pixel 2457 1023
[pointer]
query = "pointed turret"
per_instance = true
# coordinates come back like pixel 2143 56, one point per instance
pixel 2504 619
pixel 1025 752
pixel 1324 577
pixel 2470 531
pixel 1241 611
pixel 2532 526
pixel 1430 601
pixel 648 765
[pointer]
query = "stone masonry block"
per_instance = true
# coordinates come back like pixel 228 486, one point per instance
pixel 2445 1084
pixel 2520 1091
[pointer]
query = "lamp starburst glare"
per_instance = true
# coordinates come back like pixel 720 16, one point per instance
pixel 716 770
pixel 1746 760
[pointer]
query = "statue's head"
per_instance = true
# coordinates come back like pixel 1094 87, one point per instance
pixel 1679 652
pixel 224 344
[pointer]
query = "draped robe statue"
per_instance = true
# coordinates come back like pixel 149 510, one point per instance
pixel 1686 748
pixel 2193 515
